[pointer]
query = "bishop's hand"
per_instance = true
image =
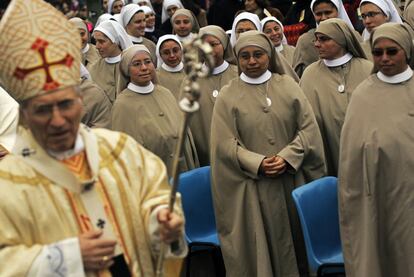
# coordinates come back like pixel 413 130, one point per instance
pixel 97 252
pixel 171 226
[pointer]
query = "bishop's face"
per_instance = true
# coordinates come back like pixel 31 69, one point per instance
pixel 54 118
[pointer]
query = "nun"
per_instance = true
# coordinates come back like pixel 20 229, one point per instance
pixel 273 29
pixel 341 68
pixel 246 21
pixel 115 6
pixel 408 13
pixel 170 68
pixel 151 32
pixel 265 142
pixel 89 53
pixel 149 112
pixel 375 13
pixel 96 104
pixel 376 181
pixel 103 17
pixel 184 24
pixel 305 52
pixel 168 9
pixel 111 39
pixel 142 3
pixel 133 20
pixel 223 73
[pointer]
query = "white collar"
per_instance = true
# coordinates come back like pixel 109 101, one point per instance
pixel 178 68
pixel 141 89
pixel 366 35
pixel 150 30
pixel 279 48
pixel 85 49
pixel 112 60
pixel 397 78
pixel 256 81
pixel 79 147
pixel 339 61
pixel 221 68
pixel 135 39
pixel 182 39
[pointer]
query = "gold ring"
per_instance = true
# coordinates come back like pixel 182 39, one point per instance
pixel 105 258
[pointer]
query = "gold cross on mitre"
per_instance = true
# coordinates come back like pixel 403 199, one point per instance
pixel 39 49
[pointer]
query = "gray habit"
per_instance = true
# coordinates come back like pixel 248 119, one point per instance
pixel 329 104
pixel 154 120
pixel 376 181
pixel 91 56
pixel 105 75
pixel 254 214
pixel 201 121
pixel 97 108
pixel 306 53
pixel 171 80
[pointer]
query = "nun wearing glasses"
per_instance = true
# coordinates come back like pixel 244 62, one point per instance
pixel 341 68
pixel 376 162
pixel 374 13
pixel 265 142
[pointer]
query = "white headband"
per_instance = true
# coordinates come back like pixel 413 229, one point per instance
pixel 341 11
pixel 166 4
pixel 115 32
pixel 161 40
pixel 243 16
pixel 128 12
pixel 111 3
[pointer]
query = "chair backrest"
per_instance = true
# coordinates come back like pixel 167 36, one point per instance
pixel 197 202
pixel 317 205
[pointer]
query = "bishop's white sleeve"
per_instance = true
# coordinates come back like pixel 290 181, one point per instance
pixel 59 259
pixel 182 250
pixel 9 117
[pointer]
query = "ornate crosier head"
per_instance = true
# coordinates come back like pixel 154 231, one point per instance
pixel 196 52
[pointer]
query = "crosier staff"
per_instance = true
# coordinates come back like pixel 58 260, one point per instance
pixel 195 53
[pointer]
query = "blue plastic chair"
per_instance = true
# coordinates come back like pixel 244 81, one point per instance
pixel 317 205
pixel 200 226
pixel 197 202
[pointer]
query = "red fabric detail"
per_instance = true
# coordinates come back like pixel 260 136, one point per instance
pixel 40 46
pixel 293 32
